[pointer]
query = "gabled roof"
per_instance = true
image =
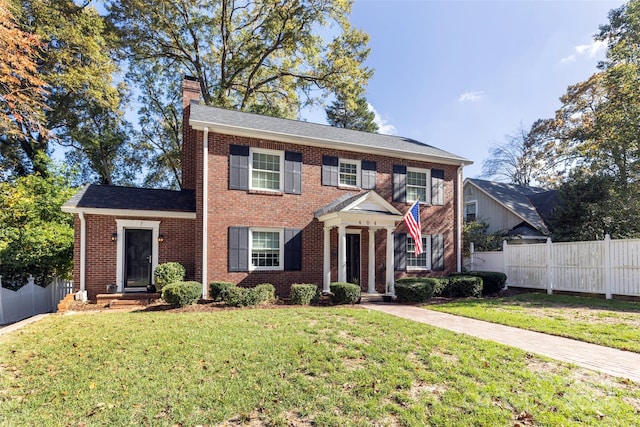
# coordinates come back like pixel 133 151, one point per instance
pixel 368 202
pixel 294 131
pixel 532 204
pixel 114 199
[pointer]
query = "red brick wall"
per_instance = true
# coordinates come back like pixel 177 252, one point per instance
pixel 240 208
pixel 100 268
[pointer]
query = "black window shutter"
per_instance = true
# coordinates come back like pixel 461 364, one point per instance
pixel 292 172
pixel 330 171
pixel 238 167
pixel 437 187
pixel 292 249
pixel 437 252
pixel 238 248
pixel 399 183
pixel 400 251
pixel 368 179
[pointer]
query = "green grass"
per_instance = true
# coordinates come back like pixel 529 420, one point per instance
pixel 612 323
pixel 297 366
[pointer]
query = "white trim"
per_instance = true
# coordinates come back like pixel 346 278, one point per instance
pixel 427 190
pixel 426 249
pixel 83 251
pixel 205 208
pixel 371 267
pixel 123 224
pixel 464 209
pixel 323 143
pixel 130 212
pixel 280 232
pixel 354 231
pixel 358 173
pixel 280 154
pixel 459 223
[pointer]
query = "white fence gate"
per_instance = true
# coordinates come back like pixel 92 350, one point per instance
pixel 609 267
pixel 31 299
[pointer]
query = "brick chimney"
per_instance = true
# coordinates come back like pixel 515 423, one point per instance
pixel 190 90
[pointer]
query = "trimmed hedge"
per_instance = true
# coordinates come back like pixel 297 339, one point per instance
pixel 463 286
pixel 179 294
pixel 167 273
pixel 344 293
pixel 414 289
pixel 493 281
pixel 216 289
pixel 303 293
pixel 236 296
pixel 265 293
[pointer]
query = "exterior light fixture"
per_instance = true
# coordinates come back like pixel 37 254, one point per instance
pixel 161 238
pixel 114 237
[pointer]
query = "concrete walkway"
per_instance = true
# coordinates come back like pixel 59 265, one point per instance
pixel 5 329
pixel 619 363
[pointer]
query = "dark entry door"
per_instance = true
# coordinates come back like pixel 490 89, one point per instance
pixel 353 258
pixel 137 268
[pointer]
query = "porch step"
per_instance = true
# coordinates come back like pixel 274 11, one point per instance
pixel 126 299
pixel 65 303
pixel 374 297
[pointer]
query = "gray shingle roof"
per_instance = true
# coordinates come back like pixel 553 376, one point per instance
pixel 534 204
pixel 306 131
pixel 130 198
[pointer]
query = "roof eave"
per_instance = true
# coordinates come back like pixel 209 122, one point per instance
pixel 324 143
pixel 129 212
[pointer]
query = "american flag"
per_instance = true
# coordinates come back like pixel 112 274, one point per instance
pixel 412 221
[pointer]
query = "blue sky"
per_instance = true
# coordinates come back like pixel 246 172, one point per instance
pixel 461 75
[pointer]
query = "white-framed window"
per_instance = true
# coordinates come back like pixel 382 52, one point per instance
pixel 266 170
pixel 418 185
pixel 470 211
pixel 421 262
pixel 349 173
pixel 266 249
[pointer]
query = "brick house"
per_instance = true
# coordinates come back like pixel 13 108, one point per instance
pixel 270 200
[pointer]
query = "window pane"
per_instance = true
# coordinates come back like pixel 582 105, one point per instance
pixel 420 261
pixel 265 249
pixel 266 171
pixel 416 186
pixel 348 173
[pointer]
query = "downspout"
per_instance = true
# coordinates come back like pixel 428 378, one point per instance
pixel 459 220
pixel 83 250
pixel 205 207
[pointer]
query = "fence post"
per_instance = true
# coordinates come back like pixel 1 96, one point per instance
pixel 472 256
pixel 505 261
pixel 31 283
pixel 607 266
pixel 549 268
pixel 1 303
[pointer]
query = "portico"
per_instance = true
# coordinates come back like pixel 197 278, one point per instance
pixel 354 214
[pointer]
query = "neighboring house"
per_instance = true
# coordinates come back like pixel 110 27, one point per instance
pixel 520 212
pixel 270 200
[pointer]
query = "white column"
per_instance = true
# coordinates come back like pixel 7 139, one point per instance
pixel 372 261
pixel 342 253
pixel 390 262
pixel 326 260
pixel 549 267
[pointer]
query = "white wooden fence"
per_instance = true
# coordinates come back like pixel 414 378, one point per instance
pixel 608 267
pixel 31 299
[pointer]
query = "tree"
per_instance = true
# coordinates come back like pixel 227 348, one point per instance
pixel 351 114
pixel 74 62
pixel 36 237
pixel 476 232
pixel 264 56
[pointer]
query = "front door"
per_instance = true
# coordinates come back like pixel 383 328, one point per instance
pixel 353 258
pixel 137 258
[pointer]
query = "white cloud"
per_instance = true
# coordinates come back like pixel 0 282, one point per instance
pixel 384 126
pixel 588 50
pixel 472 96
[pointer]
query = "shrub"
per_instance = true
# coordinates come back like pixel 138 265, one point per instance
pixel 167 273
pixel 265 293
pixel 236 296
pixel 303 293
pixel 414 289
pixel 463 286
pixel 179 294
pixel 493 281
pixel 439 285
pixel 216 289
pixel 344 293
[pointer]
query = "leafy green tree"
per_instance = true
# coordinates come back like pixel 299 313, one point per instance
pixel 476 232
pixel 36 237
pixel 351 114
pixel 266 56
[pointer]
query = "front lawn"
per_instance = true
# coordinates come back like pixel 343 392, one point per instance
pixel 612 323
pixel 288 366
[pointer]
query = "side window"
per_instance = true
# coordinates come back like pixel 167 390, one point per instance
pixel 470 211
pixel 264 170
pixel 349 173
pixel 431 259
pixel 265 248
pixel 338 172
pixel 421 262
pixel 255 249
pixel 418 185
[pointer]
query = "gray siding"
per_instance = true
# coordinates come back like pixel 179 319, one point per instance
pixel 489 211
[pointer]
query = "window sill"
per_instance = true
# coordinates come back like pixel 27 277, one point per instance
pixel 266 192
pixel 418 270
pixel 348 187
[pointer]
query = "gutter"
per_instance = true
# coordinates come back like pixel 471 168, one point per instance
pixel 83 250
pixel 205 208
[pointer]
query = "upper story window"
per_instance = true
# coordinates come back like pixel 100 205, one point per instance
pixel 265 170
pixel 470 211
pixel 418 185
pixel 349 173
